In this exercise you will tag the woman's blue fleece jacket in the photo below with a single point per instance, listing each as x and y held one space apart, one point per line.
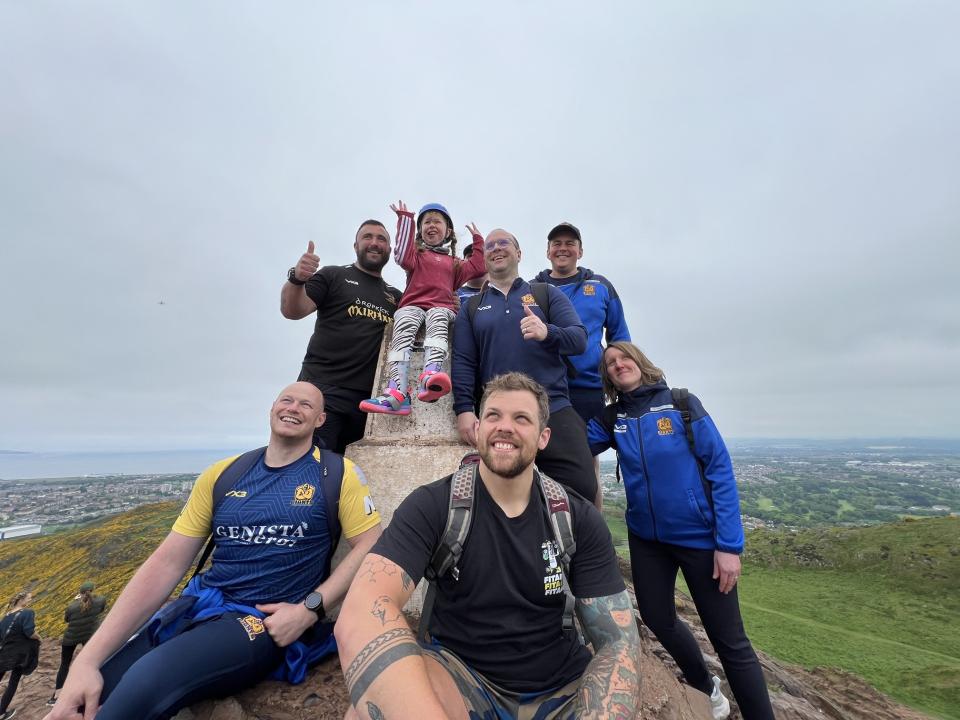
665 495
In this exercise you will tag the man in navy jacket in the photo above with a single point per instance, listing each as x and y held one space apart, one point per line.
599 307
508 332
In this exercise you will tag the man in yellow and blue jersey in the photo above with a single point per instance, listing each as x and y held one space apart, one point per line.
259 608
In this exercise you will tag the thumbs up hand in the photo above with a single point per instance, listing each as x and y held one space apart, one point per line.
308 264
532 327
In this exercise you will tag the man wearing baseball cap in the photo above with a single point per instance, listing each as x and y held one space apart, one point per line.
598 305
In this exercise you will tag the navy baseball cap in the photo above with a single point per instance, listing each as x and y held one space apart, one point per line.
565 228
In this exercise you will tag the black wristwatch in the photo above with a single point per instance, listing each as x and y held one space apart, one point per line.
314 602
292 277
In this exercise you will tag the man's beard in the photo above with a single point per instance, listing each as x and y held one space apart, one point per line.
371 265
502 466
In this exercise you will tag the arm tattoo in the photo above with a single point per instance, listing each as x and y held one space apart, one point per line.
375 657
610 686
607 619
374 569
374 712
385 610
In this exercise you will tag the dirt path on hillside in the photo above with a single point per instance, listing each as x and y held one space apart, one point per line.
852 633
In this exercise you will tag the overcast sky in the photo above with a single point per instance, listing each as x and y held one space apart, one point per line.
772 188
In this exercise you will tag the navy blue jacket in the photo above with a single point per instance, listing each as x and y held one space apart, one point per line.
490 344
665 495
599 307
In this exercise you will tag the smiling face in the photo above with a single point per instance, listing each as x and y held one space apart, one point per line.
563 252
372 247
509 433
501 254
297 412
434 228
623 372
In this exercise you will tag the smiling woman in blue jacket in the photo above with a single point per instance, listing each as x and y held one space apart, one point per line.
683 512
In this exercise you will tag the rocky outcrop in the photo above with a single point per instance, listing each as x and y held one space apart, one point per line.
401 453
797 694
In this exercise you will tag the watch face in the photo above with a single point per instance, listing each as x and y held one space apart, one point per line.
314 601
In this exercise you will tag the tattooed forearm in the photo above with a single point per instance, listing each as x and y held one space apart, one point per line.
377 655
610 686
606 619
406 580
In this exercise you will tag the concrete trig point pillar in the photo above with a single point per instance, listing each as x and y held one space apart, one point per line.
400 453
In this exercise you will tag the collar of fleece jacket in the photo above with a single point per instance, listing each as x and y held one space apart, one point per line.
642 398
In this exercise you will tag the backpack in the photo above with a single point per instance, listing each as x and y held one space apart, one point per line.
459 515
541 296
681 401
6 633
331 477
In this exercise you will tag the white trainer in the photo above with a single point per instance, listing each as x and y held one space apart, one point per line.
719 705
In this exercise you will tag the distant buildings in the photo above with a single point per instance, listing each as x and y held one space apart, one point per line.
16 531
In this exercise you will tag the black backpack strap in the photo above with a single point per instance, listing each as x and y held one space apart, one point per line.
681 401
558 510
331 481
6 633
473 302
224 484
447 554
541 296
609 418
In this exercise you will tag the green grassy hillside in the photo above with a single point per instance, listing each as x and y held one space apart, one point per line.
881 601
106 552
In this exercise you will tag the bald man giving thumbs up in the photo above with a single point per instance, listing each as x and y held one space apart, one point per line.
353 305
510 326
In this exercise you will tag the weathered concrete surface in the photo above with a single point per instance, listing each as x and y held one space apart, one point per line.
400 453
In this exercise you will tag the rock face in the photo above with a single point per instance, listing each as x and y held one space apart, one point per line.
797 694
401 453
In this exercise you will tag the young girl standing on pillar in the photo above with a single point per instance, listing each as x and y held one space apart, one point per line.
433 275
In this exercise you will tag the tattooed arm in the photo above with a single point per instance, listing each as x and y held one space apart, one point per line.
385 673
610 686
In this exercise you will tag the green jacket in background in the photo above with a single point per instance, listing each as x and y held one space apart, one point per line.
81 625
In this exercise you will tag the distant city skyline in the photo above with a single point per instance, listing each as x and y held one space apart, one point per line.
770 187
38 465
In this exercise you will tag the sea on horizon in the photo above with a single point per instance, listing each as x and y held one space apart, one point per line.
35 465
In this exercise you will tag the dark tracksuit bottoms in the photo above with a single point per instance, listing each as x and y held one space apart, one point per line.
567 458
15 675
654 568
213 658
